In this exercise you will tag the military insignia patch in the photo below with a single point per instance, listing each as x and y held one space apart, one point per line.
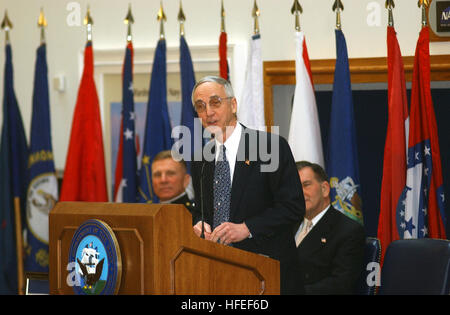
96 254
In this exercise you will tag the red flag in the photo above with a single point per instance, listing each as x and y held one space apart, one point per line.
223 62
425 197
119 165
84 174
394 165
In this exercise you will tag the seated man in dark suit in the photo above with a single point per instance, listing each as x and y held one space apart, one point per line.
330 245
170 180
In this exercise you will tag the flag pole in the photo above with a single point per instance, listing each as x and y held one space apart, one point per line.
338 7
222 18
7 26
255 14
42 23
161 18
424 4
19 246
88 22
181 19
297 10
129 20
390 5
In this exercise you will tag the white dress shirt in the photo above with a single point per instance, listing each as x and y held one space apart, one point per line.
231 146
314 220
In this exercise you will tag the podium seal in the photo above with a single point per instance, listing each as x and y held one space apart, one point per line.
95 251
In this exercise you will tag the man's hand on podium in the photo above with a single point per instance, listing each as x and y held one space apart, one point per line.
198 230
228 233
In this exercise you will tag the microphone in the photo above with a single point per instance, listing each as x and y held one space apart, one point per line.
202 234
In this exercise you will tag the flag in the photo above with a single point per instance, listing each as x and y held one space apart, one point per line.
304 131
13 167
223 62
42 191
423 196
188 114
250 111
342 158
394 164
157 135
125 184
84 175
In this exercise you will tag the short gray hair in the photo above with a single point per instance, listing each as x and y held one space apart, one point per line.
211 78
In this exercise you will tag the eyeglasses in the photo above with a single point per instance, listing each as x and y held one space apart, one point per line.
214 103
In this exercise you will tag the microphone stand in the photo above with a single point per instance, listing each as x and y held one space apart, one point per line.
202 234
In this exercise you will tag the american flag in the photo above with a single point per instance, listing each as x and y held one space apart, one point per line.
125 189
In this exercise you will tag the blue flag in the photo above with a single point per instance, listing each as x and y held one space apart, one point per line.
13 167
42 183
188 114
157 135
126 167
342 159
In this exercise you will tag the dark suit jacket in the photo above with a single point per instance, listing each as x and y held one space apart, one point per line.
331 255
270 203
185 201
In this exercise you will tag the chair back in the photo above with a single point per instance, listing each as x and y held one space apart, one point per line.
372 254
416 266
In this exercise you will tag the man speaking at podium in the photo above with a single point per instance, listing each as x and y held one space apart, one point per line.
247 191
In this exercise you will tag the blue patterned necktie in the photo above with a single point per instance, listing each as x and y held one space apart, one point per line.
222 189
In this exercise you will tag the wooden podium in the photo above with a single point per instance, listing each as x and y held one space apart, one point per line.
160 252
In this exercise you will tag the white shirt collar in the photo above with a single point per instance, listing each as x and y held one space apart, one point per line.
232 146
320 215
174 198
232 142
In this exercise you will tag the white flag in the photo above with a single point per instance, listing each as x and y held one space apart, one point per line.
250 111
304 130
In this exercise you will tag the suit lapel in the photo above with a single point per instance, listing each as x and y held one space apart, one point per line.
318 236
241 174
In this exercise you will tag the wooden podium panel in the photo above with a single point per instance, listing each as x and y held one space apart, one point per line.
160 252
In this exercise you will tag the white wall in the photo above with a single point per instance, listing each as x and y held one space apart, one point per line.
65 42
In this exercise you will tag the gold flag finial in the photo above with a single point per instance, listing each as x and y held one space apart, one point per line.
129 20
222 13
338 7
6 26
181 19
255 14
390 5
297 10
42 23
161 18
424 4
88 21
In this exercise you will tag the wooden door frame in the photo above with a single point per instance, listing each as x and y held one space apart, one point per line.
362 70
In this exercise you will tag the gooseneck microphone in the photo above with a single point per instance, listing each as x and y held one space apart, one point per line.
202 234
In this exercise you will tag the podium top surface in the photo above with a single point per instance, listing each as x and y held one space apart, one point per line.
108 208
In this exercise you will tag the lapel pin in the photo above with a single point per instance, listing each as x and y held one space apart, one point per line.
323 240
247 162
